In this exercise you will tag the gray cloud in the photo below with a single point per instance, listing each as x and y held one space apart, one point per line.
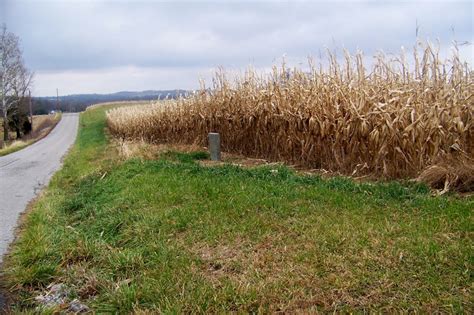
77 37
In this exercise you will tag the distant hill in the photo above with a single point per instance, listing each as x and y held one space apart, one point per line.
79 102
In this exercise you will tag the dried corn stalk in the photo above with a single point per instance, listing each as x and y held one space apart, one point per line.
390 121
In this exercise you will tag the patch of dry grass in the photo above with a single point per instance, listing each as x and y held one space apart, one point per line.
119 104
453 173
42 125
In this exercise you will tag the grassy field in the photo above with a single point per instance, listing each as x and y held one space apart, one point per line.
169 235
42 125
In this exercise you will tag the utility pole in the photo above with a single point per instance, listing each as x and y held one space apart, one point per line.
57 100
31 109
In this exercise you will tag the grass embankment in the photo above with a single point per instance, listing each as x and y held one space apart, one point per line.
42 126
170 235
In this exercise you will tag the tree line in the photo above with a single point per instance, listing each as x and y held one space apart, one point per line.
17 106
79 102
15 82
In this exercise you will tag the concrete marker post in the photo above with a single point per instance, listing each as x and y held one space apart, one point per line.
215 146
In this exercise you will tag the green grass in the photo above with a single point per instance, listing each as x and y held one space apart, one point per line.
172 236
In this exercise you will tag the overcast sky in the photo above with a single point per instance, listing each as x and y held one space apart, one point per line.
108 46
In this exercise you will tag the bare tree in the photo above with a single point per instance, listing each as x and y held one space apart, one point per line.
15 79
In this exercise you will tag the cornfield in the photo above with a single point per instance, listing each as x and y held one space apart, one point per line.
394 121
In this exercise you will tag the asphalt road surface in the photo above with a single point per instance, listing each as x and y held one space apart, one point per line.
24 173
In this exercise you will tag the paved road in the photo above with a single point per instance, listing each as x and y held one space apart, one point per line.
25 172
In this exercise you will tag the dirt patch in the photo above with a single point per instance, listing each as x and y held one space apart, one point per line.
224 261
4 299
267 267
